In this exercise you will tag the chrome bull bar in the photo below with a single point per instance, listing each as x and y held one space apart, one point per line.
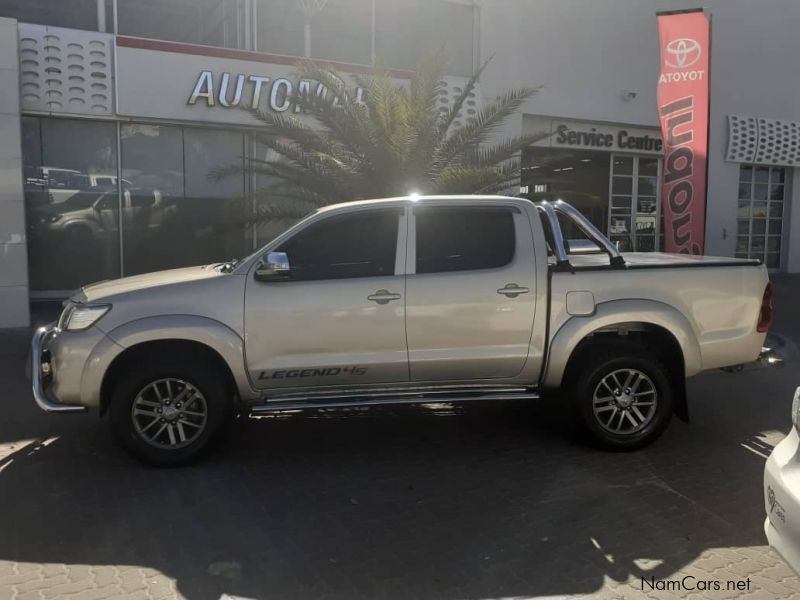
38 344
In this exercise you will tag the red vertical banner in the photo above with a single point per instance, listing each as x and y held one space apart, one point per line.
683 110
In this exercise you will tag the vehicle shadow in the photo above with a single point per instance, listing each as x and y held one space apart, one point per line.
473 502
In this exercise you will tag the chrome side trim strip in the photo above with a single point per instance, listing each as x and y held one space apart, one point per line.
396 393
37 345
355 401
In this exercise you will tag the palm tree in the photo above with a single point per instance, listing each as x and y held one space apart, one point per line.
392 142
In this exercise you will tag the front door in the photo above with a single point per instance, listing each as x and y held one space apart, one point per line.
470 292
339 318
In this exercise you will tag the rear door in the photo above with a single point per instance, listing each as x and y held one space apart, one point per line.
470 292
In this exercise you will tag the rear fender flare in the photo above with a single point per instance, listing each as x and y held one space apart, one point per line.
616 312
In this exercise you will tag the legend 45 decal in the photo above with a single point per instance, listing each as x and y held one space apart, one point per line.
312 372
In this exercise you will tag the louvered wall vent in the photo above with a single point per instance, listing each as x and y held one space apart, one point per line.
763 141
65 70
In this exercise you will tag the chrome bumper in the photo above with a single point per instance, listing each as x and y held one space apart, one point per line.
768 358
38 368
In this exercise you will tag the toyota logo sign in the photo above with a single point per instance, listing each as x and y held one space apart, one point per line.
681 53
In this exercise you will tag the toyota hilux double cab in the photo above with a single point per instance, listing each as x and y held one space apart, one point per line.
407 300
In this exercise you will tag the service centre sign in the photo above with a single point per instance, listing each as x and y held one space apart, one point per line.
587 135
621 139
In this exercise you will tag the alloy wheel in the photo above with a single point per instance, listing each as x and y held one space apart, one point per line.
169 413
625 401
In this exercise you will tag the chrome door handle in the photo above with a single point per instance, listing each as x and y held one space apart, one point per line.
383 297
512 290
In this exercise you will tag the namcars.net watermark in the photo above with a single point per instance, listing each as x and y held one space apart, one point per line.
691 583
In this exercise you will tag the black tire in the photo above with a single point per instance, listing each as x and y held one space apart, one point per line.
611 426
203 383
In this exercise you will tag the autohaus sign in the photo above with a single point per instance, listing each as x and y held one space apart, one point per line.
184 83
278 94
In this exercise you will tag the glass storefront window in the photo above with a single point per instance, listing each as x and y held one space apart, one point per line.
579 177
407 31
71 202
619 193
280 27
635 215
207 22
220 231
759 223
175 212
341 31
76 14
172 209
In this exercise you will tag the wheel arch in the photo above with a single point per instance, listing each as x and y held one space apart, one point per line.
199 335
659 327
135 353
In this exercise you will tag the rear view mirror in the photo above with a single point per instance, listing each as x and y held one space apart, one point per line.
274 266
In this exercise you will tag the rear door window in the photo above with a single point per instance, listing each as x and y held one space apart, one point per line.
464 238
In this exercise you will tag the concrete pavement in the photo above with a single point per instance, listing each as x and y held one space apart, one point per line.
430 502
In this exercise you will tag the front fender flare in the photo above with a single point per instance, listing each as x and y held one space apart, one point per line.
616 312
212 333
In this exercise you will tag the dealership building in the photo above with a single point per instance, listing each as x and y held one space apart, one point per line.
115 115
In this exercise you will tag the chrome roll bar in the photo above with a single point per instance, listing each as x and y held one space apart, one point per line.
560 249
551 211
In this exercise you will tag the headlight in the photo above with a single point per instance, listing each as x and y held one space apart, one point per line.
796 409
77 317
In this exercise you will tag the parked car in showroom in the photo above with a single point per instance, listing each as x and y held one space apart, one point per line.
782 493
94 215
398 301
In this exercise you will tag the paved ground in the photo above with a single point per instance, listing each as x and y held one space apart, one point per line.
484 502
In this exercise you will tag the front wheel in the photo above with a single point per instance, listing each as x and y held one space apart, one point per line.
166 410
622 396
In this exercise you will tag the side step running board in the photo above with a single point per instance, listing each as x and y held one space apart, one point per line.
388 398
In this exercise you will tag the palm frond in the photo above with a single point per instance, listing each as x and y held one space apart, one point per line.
487 121
391 140
458 103
506 149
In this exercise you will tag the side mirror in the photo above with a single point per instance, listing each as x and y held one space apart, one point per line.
274 266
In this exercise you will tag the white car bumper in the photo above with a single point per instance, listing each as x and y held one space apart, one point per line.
782 499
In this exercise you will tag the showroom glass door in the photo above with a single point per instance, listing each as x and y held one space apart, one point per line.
634 214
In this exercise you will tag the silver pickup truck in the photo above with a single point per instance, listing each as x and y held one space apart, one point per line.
402 301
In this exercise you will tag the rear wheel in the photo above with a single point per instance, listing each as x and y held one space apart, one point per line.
622 396
166 410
